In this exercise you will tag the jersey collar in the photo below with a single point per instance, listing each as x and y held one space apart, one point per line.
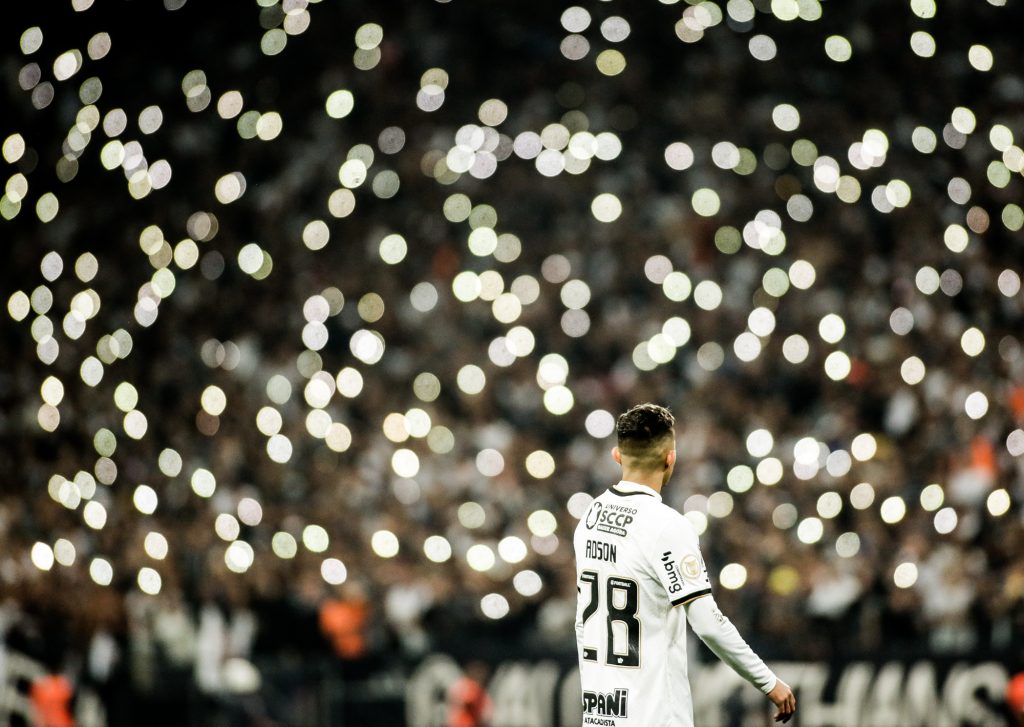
625 488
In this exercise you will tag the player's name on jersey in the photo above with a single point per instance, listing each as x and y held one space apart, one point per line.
611 519
601 551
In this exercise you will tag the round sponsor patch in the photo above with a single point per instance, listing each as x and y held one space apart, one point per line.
691 566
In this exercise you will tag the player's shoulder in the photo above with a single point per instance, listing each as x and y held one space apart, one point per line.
657 516
664 521
673 518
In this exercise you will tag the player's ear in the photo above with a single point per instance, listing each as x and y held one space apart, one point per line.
617 455
670 458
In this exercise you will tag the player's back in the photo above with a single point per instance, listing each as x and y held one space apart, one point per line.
631 551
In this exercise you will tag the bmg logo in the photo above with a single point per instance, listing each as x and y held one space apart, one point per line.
674 581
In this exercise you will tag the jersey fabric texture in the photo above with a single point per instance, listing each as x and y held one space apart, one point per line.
636 560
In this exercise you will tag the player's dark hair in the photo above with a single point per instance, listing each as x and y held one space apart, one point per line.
644 432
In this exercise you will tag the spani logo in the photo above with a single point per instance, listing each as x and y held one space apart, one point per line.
593 515
606 705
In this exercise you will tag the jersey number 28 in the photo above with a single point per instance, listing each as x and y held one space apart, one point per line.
622 602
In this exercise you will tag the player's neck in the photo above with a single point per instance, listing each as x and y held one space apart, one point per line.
654 480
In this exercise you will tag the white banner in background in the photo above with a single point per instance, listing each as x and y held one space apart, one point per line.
893 694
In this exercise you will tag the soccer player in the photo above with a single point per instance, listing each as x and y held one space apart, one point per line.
641 578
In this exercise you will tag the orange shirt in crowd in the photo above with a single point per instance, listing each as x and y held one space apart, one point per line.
469 704
983 455
1015 697
1016 401
51 701
344 624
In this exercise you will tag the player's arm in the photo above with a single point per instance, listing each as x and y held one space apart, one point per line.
680 566
722 637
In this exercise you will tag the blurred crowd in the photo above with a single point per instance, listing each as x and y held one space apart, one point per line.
208 625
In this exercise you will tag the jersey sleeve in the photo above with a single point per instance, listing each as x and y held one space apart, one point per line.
718 632
678 562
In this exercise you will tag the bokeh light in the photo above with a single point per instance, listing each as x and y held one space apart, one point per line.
390 352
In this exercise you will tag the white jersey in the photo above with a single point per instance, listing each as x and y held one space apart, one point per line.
636 559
